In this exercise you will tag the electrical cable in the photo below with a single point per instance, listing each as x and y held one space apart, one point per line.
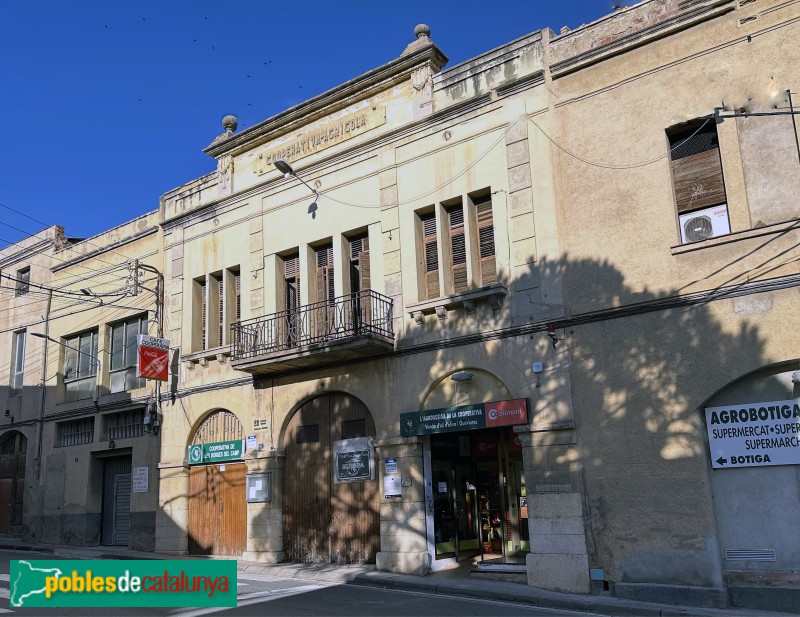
606 166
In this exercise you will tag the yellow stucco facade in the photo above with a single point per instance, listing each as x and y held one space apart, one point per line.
598 226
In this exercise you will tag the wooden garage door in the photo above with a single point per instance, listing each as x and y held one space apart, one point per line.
325 522
217 509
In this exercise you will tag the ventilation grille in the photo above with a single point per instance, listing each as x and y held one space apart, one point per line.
762 554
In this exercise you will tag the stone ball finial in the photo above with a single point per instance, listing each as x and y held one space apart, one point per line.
229 123
422 30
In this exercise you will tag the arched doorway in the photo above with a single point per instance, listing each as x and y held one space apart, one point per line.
325 521
217 504
12 479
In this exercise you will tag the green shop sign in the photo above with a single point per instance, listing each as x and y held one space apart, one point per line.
217 452
465 417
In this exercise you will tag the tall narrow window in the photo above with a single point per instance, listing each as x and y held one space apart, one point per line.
80 366
237 290
698 182
17 363
325 314
458 249
23 281
124 340
290 328
359 264
486 253
430 256
202 299
360 281
221 312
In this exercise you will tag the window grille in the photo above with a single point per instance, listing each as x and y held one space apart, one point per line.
76 432
125 424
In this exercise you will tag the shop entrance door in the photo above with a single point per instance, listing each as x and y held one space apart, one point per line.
479 497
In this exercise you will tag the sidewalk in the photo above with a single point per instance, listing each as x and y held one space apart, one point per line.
437 583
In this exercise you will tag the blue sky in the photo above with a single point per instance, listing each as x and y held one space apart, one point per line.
108 104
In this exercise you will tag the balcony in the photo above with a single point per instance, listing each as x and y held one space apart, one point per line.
350 327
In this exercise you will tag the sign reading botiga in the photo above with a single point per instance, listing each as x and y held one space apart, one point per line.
754 434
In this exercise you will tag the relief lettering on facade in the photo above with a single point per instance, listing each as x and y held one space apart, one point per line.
319 139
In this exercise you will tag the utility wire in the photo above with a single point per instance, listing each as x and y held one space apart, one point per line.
48 226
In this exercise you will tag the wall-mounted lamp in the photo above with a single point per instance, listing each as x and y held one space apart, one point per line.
111 444
287 171
151 422
551 332
461 376
9 417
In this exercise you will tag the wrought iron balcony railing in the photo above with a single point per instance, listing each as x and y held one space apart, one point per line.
364 313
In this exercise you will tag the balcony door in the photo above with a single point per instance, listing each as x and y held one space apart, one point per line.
360 305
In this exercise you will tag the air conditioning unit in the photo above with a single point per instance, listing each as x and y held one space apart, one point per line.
704 224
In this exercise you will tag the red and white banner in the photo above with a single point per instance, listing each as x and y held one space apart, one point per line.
152 359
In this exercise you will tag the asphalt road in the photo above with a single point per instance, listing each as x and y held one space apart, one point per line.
268 595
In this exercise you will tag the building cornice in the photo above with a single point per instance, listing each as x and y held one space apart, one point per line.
24 254
105 248
445 115
696 14
372 82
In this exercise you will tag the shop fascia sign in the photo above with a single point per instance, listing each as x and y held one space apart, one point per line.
754 434
217 452
465 417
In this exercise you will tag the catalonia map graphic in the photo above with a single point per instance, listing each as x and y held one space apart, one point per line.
29 581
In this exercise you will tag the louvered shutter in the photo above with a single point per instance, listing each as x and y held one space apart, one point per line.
325 290
361 305
696 168
203 298
291 300
221 307
458 249
488 265
431 263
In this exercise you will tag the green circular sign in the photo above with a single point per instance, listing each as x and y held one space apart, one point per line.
195 454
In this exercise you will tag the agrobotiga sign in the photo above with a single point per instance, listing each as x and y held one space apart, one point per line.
217 452
754 434
465 417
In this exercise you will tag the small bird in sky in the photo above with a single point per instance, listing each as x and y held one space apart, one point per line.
248 76
268 62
